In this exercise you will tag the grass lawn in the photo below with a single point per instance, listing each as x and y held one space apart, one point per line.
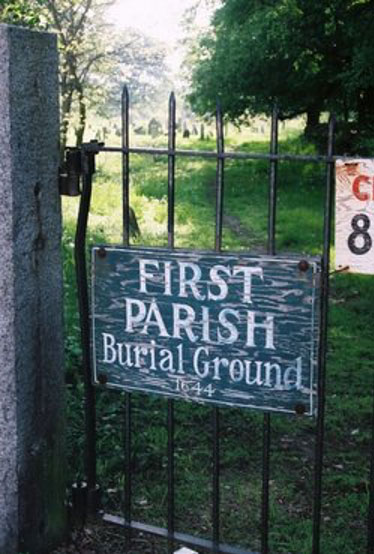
349 372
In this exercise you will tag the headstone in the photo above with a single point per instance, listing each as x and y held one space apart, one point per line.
139 130
32 472
154 128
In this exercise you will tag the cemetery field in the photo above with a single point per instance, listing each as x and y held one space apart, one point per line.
349 370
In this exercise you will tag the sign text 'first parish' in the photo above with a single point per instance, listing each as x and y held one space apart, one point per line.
226 329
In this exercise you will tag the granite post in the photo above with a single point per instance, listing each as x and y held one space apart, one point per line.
32 487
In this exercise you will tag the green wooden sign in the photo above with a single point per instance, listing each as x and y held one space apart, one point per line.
226 329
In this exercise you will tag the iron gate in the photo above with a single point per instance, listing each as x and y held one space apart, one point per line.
81 162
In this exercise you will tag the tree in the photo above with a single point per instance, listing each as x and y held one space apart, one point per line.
96 60
306 56
83 47
140 62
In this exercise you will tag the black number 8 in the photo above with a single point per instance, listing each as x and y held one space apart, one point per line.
360 225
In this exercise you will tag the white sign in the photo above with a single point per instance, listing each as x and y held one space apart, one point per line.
354 230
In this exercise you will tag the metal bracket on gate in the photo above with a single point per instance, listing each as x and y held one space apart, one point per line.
78 161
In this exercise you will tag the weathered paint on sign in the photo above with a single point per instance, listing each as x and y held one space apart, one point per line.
227 329
354 215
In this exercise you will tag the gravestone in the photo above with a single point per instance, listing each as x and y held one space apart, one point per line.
139 130
32 483
154 128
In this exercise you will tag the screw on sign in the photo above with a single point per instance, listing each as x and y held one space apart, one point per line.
354 215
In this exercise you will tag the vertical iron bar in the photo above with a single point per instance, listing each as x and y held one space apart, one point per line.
266 433
218 246
171 170
125 167
219 178
83 303
320 428
216 478
170 418
128 469
370 539
171 503
273 182
126 240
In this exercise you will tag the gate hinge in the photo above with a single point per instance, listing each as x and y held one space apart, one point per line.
78 161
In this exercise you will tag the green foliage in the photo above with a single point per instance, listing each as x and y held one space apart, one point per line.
307 56
25 13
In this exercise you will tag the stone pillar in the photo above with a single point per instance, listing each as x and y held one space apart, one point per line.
32 487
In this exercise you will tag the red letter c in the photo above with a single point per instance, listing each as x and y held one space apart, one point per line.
356 187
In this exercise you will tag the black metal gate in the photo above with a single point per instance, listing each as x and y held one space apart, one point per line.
82 162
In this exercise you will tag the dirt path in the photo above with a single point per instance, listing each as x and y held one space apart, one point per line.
247 237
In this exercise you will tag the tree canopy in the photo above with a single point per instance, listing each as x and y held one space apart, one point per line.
21 12
139 61
308 56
